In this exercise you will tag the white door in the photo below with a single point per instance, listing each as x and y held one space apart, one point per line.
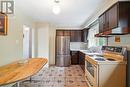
26 34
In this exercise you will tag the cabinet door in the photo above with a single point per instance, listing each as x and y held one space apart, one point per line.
82 60
84 35
76 36
113 16
107 21
72 37
102 23
59 33
74 58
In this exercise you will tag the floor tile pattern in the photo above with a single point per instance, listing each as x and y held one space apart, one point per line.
57 77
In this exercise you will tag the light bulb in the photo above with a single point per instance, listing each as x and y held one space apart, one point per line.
56 9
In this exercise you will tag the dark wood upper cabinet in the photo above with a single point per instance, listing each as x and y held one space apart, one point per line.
76 36
85 35
79 36
109 19
72 36
112 17
124 15
102 23
115 20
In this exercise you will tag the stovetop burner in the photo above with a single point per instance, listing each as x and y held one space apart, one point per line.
111 59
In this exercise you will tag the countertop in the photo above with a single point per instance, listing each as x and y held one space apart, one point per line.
77 50
20 70
92 56
86 52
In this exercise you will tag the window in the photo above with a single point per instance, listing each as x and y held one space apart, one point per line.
102 41
95 41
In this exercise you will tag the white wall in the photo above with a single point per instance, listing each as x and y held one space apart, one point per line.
43 39
26 44
11 46
52 36
45 43
34 43
76 46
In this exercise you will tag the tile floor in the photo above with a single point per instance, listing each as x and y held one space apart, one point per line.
57 77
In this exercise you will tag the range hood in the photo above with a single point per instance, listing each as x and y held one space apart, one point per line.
115 31
118 31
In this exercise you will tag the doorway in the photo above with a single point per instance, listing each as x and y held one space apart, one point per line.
27 42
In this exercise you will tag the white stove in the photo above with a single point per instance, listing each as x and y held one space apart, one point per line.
101 66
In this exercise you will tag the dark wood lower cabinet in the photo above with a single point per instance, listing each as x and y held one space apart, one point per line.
74 57
78 58
82 60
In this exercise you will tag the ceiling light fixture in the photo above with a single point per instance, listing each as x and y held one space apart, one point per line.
56 8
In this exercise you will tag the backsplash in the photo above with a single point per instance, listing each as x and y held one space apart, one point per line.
78 46
124 41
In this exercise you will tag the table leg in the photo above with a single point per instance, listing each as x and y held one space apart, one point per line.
30 79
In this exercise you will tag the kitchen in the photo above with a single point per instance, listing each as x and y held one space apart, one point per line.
94 55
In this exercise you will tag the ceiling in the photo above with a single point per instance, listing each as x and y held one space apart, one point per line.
73 12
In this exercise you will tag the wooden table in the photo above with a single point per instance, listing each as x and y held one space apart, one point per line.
20 70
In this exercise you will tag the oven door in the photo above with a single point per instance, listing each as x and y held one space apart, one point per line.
91 73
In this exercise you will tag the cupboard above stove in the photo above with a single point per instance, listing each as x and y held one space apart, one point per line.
115 20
